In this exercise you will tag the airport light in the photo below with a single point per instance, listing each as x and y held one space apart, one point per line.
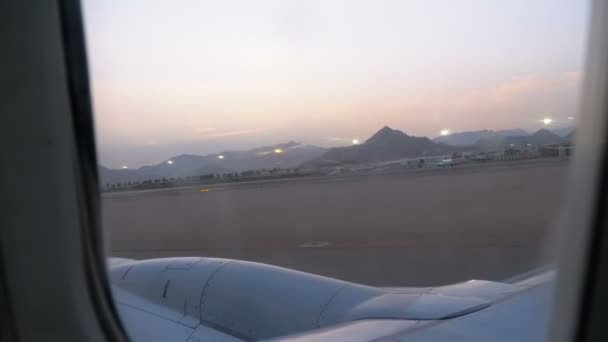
169 162
547 121
221 156
278 151
124 167
355 141
444 132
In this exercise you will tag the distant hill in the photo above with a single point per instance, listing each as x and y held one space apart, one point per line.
541 137
563 131
472 137
570 136
112 176
386 144
290 155
184 165
544 137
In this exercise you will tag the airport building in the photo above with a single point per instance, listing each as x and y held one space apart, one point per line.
423 161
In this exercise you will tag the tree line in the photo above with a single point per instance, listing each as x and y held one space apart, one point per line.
204 178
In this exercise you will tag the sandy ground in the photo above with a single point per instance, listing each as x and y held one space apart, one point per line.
429 228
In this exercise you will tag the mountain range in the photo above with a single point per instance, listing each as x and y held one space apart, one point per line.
539 138
472 137
288 155
386 144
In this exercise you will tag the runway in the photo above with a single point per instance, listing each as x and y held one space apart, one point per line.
409 229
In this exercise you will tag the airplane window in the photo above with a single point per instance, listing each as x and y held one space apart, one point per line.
333 168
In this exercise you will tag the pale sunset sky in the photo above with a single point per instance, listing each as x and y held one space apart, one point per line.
173 77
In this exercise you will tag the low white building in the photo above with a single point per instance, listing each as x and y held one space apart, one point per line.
423 161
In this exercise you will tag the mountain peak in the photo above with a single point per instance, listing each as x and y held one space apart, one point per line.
386 133
386 144
388 130
544 132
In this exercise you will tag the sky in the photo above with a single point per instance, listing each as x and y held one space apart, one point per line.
202 76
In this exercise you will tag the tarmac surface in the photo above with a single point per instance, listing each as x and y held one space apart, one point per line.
402 229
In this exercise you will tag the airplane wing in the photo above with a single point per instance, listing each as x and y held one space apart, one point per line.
209 299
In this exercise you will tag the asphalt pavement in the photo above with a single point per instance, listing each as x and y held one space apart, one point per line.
403 229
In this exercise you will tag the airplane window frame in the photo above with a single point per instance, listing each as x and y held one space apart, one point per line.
579 302
53 278
7 324
72 31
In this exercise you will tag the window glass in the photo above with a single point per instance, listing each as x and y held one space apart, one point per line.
387 143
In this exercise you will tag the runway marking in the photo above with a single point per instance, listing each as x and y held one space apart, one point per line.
314 244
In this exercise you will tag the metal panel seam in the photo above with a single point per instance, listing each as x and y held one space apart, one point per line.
204 291
318 322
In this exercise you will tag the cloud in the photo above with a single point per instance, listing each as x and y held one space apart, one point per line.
339 139
517 90
203 130
151 143
573 76
518 86
239 132
533 84
518 101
